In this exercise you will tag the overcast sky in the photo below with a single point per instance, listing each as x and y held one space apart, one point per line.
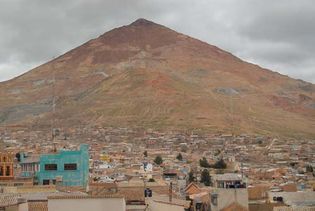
276 34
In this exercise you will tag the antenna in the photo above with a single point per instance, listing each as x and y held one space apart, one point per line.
54 97
170 192
231 113
53 131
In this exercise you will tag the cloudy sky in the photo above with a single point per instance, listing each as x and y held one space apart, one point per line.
279 35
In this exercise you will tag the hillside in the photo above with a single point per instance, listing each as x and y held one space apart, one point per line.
147 75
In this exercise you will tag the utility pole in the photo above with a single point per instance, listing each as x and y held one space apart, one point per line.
144 186
170 192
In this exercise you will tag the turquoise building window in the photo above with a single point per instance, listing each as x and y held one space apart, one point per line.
70 166
50 167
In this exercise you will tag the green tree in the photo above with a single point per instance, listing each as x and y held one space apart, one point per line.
220 164
218 152
151 180
191 177
204 163
158 160
309 168
179 157
145 153
205 177
184 148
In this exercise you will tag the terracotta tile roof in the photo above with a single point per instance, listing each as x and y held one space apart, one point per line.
182 203
132 193
44 195
288 187
103 185
38 206
192 188
98 189
258 192
85 197
8 199
203 196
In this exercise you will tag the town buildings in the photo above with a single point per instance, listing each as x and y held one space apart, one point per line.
119 162
6 166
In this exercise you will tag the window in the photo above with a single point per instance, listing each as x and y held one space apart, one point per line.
8 172
70 166
50 167
46 182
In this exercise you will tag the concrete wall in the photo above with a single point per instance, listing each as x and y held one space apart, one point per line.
33 189
77 177
227 197
92 204
19 207
23 207
10 208
160 206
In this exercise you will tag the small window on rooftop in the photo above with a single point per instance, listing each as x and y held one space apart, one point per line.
70 166
50 167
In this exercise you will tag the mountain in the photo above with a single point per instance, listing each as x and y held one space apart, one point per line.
149 76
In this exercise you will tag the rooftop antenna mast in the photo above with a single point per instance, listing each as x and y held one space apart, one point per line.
53 130
232 114
54 97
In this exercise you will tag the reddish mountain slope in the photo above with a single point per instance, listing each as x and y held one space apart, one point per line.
147 75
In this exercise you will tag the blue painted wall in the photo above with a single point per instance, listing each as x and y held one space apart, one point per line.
77 177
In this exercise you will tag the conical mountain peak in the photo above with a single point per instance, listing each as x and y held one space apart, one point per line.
142 22
147 75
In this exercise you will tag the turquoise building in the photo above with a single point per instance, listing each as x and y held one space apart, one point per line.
66 168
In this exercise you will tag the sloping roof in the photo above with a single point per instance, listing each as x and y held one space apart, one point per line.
165 200
192 188
8 199
227 177
85 197
132 193
44 195
103 185
38 206
234 207
203 196
288 187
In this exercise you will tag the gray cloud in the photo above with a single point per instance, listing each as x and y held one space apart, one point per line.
275 34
